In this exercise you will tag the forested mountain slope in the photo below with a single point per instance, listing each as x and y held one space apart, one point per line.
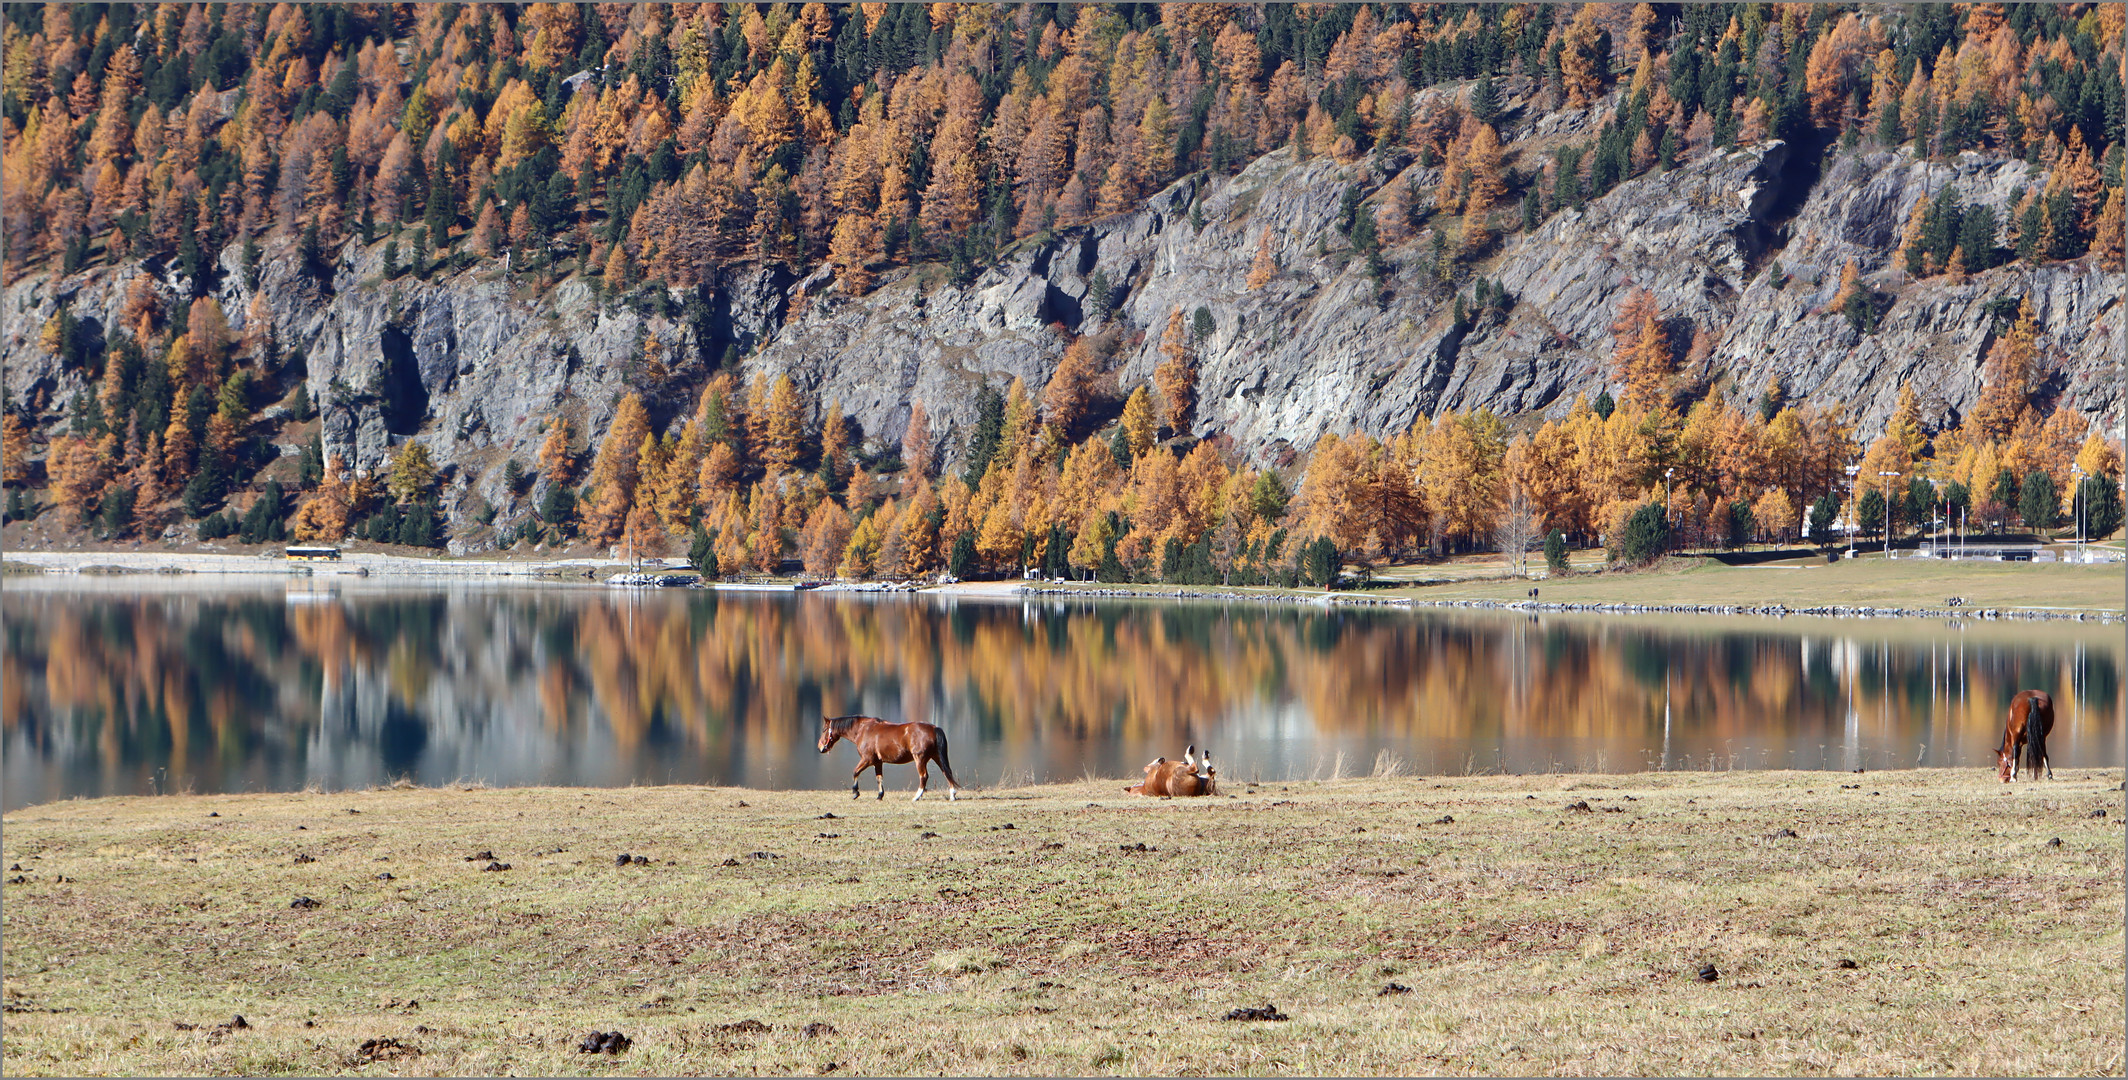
501 274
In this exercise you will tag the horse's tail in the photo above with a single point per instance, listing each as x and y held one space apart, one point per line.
945 762
2037 723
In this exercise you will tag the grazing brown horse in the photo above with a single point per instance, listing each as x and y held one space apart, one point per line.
2031 718
1187 778
881 743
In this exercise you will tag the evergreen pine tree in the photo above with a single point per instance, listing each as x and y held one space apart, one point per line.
983 441
1484 100
308 254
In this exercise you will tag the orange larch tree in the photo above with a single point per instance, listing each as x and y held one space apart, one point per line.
1175 376
1641 358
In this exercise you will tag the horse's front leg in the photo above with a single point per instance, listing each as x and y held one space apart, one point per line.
879 773
858 776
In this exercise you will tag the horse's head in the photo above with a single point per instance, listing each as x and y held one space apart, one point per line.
829 732
2005 764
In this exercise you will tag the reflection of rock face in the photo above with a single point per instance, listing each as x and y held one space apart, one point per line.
459 709
400 740
472 363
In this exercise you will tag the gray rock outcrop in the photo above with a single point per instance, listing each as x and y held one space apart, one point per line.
474 362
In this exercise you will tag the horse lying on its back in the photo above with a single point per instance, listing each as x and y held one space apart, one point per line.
1186 778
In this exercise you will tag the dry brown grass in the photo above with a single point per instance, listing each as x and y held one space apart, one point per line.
1534 938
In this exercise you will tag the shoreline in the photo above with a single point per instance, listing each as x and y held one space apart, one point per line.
1107 792
350 564
1775 611
1409 597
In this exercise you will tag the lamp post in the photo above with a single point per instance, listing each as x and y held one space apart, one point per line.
2076 495
1666 504
1887 513
1854 510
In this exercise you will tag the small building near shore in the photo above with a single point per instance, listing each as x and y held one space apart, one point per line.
1989 551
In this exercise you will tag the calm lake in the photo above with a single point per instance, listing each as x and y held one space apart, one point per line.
112 687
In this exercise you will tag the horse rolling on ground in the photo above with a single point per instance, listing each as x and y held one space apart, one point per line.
881 743
2031 718
1189 777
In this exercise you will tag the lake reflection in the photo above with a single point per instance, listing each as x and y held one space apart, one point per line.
115 688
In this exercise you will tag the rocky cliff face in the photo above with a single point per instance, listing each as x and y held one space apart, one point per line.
472 362
1321 348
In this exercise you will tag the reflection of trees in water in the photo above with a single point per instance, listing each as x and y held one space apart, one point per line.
572 685
98 685
2101 678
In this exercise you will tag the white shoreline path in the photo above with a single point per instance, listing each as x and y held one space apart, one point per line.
374 564
473 570
377 565
351 564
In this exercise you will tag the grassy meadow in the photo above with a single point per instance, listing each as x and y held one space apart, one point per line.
1867 582
1493 924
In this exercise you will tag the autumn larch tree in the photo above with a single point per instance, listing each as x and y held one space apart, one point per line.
1641 358
1138 422
916 446
412 472
1265 266
642 535
784 430
826 535
1775 513
854 245
1070 389
2108 239
1581 70
2006 377
14 450
1835 62
326 513
1486 185
614 474
764 528
554 458
77 473
834 445
1176 376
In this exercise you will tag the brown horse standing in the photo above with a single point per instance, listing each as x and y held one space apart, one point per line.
2031 718
880 743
